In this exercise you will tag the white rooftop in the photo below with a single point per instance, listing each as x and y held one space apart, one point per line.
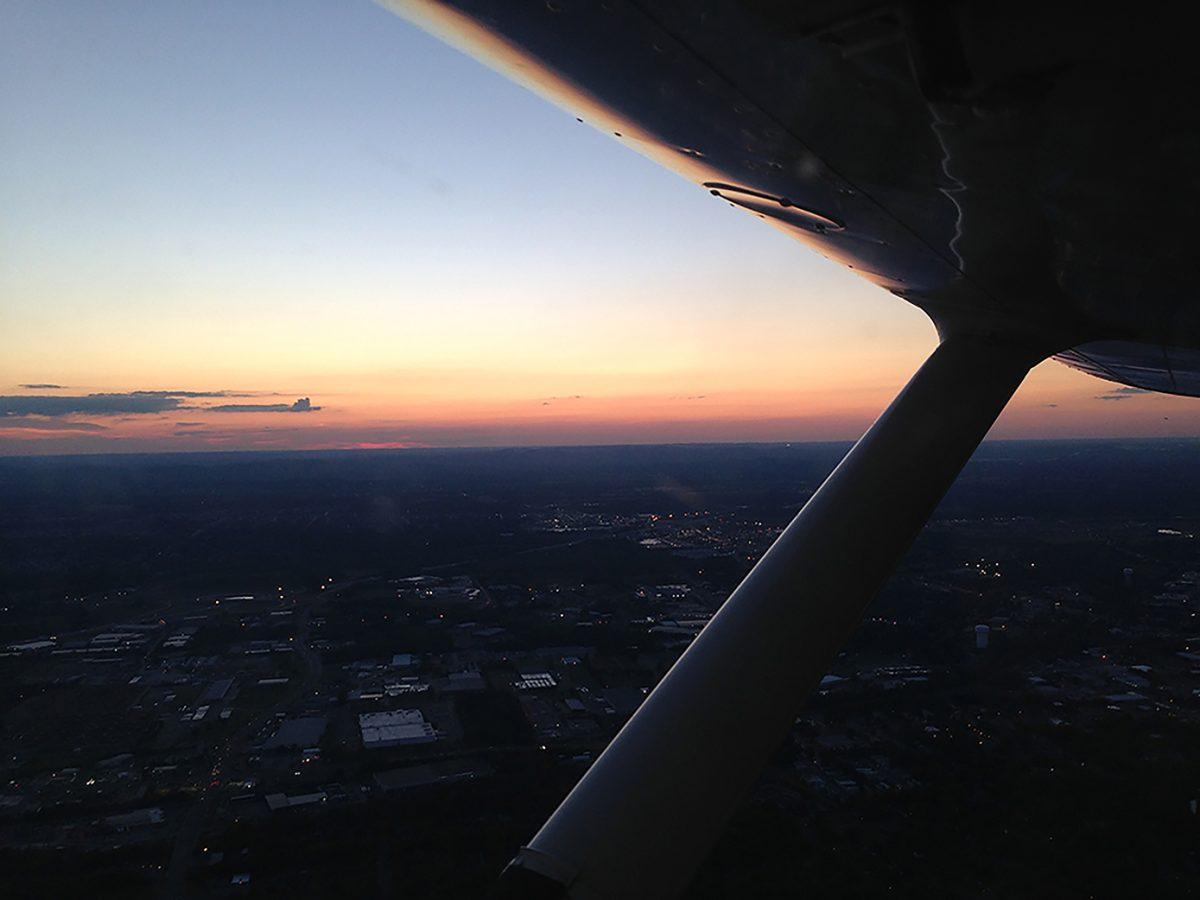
394 727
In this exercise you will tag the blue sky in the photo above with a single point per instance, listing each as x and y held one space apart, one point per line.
318 199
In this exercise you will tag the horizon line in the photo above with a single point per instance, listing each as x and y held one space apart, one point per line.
249 451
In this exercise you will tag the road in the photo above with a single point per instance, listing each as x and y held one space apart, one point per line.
198 817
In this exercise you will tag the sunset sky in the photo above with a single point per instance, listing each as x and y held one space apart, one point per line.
213 210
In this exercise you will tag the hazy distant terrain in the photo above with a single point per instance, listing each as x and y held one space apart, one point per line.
83 522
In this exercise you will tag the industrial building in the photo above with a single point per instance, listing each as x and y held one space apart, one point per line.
395 728
297 734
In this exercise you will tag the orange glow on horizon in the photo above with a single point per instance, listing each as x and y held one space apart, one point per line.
1055 402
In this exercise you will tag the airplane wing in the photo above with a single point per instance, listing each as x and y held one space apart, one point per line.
1022 172
1004 166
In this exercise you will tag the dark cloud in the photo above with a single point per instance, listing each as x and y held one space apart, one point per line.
189 424
39 423
302 405
90 404
42 387
194 394
138 403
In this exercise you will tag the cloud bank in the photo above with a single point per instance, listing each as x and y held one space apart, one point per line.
88 404
138 403
34 423
302 405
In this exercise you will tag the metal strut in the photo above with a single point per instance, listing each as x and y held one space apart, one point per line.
644 816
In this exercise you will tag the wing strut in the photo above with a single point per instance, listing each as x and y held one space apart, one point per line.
644 816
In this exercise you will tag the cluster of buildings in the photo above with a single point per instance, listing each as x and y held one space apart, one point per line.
278 706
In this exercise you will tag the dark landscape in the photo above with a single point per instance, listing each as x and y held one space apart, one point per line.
375 674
